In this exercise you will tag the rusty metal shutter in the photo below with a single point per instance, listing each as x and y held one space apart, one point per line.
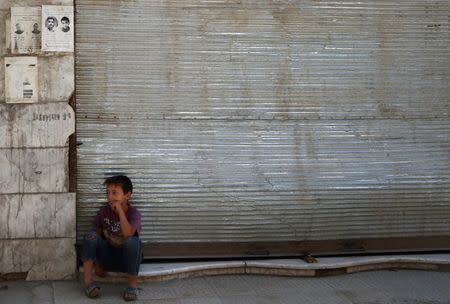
278 122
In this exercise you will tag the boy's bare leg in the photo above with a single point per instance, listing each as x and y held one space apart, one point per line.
87 267
91 290
132 281
99 271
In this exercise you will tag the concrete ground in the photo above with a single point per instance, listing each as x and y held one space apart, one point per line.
370 287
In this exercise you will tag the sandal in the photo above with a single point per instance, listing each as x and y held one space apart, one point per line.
130 293
92 291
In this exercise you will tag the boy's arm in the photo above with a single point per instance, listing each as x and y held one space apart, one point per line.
97 224
127 229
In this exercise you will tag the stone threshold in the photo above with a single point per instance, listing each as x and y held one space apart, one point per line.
324 266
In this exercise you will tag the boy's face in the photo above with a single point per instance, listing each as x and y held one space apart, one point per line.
115 195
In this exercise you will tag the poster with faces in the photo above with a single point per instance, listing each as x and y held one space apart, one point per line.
57 28
21 79
25 29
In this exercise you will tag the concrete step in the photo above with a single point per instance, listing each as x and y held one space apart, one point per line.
324 266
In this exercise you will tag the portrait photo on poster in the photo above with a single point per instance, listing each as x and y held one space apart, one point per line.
51 23
57 28
65 24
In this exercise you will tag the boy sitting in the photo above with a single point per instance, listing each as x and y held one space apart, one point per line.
115 243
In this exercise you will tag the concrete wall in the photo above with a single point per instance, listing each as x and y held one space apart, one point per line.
37 222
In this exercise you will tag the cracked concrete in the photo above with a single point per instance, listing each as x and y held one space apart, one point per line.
388 286
33 170
37 225
41 259
37 215
36 125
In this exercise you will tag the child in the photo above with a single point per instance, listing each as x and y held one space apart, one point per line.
115 245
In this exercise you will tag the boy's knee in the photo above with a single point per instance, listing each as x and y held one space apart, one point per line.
132 242
90 236
90 246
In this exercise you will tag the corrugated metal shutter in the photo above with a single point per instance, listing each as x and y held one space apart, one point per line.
247 121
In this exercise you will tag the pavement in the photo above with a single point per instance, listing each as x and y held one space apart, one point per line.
354 286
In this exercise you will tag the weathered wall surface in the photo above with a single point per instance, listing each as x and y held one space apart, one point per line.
37 224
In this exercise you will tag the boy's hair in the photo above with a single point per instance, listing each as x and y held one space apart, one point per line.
120 180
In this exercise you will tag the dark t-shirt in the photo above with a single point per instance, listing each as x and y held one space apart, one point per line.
109 223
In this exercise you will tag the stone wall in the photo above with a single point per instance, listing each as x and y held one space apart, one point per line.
37 221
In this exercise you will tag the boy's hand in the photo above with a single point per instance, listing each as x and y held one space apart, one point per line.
116 207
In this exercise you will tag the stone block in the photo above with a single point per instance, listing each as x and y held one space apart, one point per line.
56 71
49 215
8 3
7 45
36 125
33 170
56 78
2 80
40 259
3 17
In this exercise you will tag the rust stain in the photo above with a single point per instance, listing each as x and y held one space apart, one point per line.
282 15
283 89
387 110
